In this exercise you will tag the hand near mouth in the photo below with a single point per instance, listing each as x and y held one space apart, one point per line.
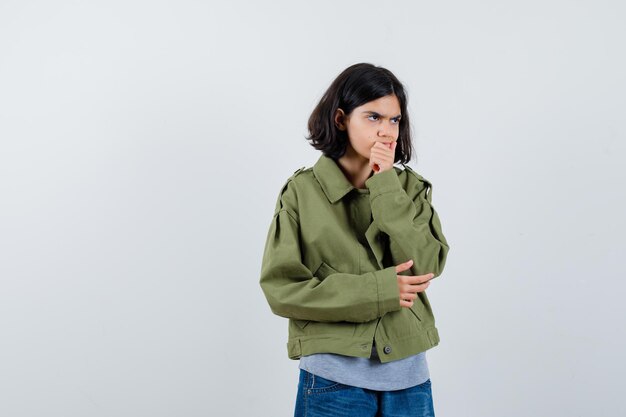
382 156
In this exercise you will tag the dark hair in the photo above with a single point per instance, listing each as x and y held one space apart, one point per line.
355 86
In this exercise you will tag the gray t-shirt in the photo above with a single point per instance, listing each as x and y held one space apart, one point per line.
368 372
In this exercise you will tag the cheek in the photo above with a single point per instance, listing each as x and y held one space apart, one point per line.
362 139
361 145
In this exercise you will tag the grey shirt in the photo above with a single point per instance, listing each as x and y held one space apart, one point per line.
368 372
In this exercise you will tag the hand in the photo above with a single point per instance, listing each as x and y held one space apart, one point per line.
410 285
382 156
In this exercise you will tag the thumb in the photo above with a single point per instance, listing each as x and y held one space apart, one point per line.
404 266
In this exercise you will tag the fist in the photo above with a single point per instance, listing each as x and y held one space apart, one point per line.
382 156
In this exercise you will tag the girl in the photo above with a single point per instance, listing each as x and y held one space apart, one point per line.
352 247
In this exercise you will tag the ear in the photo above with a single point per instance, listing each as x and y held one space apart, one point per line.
339 119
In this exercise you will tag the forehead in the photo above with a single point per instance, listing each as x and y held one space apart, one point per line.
387 105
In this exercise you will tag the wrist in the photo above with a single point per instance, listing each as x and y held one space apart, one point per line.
383 182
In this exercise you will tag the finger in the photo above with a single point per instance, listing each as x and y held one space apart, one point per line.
385 155
404 265
420 288
379 161
383 146
420 279
415 288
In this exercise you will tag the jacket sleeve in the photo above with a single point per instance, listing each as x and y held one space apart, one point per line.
292 290
409 219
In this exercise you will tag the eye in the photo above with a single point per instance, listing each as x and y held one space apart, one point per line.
397 119
373 115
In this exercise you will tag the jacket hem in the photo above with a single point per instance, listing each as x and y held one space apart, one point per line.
362 347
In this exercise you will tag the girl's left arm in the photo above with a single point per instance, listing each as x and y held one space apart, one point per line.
410 220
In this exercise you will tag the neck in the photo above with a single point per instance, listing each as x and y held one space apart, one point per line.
355 167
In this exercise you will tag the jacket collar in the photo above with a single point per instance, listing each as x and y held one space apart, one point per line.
331 178
335 185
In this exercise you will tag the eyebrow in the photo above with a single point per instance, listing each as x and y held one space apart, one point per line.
378 114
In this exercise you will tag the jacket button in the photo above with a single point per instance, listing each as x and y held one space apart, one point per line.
387 349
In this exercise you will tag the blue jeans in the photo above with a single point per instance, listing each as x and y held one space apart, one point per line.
320 397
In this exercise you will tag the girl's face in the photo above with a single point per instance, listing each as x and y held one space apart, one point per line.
374 121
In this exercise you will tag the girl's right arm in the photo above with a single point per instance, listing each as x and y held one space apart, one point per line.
293 291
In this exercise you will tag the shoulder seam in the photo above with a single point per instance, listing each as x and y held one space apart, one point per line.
279 204
295 174
415 173
289 213
427 183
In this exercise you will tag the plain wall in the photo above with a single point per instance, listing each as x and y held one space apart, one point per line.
143 145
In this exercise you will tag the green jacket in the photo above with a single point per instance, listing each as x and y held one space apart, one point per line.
330 256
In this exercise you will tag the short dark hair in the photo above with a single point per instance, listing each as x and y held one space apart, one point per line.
356 85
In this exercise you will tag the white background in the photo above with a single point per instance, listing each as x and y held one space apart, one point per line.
143 145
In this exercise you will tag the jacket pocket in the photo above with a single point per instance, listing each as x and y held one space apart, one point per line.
413 309
321 272
324 270
301 323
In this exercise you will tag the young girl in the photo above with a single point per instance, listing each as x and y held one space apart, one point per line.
352 247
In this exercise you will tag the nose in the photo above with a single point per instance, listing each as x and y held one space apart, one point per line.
386 131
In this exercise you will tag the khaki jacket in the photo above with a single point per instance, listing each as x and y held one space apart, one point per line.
330 256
